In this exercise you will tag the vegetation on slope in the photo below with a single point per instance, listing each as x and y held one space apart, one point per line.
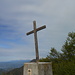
17 71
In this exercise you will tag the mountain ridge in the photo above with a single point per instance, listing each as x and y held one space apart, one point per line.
8 65
17 71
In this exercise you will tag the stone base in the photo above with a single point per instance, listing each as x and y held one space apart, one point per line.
40 68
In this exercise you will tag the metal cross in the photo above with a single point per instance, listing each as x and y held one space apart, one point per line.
35 38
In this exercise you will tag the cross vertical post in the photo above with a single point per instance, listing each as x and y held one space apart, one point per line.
36 41
35 38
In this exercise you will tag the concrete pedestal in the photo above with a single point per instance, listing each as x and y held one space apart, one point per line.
40 68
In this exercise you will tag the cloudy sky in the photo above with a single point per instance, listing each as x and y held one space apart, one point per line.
16 19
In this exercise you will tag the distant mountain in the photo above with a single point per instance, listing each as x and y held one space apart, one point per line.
12 64
17 71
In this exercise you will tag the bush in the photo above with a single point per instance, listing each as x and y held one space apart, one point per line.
64 68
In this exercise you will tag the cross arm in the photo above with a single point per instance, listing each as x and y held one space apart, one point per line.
40 28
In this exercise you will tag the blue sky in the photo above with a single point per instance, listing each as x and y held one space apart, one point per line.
16 19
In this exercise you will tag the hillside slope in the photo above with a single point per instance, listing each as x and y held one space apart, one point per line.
17 71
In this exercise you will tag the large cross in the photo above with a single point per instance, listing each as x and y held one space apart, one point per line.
35 38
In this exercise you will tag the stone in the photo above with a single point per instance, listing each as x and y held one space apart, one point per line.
40 68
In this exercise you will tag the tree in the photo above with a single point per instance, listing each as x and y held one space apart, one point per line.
53 54
68 48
